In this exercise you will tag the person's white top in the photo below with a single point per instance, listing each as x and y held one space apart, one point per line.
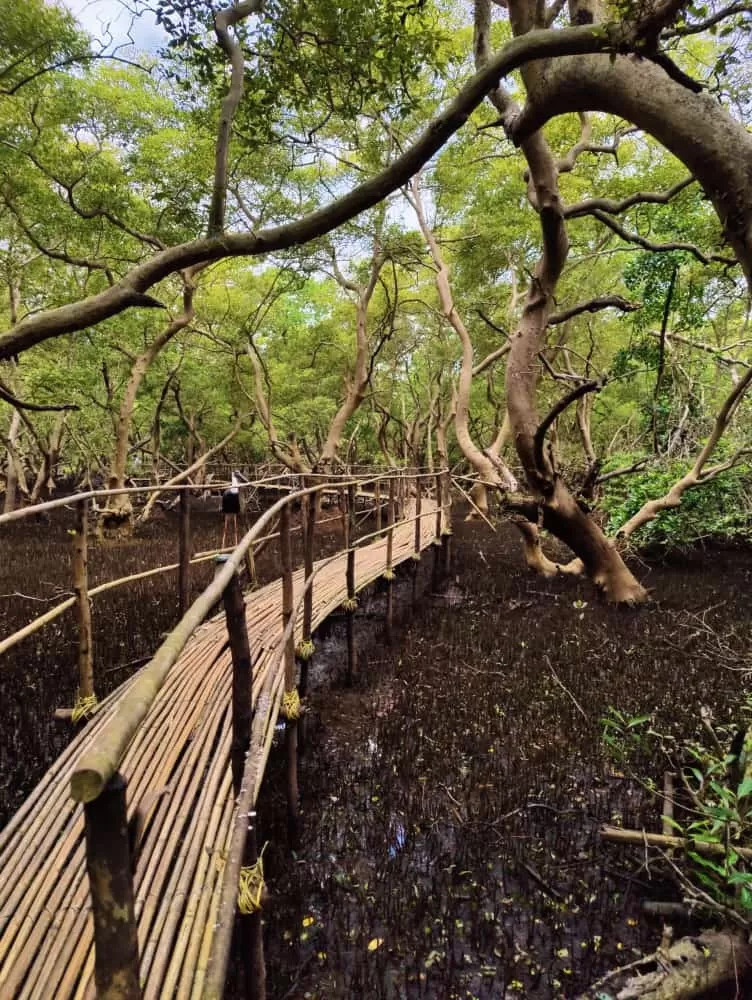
235 483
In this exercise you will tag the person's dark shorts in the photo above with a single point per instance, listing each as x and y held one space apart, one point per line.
230 503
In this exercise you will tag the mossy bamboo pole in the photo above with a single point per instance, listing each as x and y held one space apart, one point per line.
184 558
109 865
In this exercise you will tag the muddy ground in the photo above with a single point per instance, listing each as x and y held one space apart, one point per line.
452 797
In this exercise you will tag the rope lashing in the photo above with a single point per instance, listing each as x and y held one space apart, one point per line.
84 707
305 650
291 705
251 886
388 575
350 604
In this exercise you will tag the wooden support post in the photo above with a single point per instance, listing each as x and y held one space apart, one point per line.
308 515
352 652
250 563
242 712
251 929
242 676
389 557
416 542
116 963
377 501
438 555
83 609
291 728
446 534
184 554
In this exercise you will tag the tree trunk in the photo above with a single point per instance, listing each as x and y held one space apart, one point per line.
12 465
120 508
560 512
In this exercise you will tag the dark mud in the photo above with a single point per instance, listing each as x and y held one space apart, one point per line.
452 799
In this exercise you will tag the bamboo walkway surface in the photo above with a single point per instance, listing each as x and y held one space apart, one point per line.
182 750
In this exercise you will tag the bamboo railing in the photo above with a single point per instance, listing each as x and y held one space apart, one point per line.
263 685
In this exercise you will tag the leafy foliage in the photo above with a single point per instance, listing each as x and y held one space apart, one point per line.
720 509
713 803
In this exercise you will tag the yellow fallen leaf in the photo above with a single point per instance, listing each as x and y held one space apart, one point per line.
307 921
375 943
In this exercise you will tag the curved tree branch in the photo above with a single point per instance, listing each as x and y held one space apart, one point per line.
8 397
556 411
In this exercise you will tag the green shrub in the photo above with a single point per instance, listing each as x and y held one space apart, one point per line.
721 509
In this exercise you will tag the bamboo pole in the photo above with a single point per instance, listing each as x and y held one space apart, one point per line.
438 552
291 727
620 836
377 501
83 608
108 862
351 603
184 555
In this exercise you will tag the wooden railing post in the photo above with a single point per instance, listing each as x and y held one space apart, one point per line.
352 601
242 713
83 609
418 504
305 650
389 572
184 555
108 860
291 702
377 501
242 675
437 539
446 533
416 540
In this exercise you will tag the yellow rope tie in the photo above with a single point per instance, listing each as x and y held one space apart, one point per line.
83 707
305 650
251 886
389 574
350 604
291 704
415 557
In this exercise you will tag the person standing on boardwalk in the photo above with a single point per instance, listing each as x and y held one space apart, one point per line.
231 508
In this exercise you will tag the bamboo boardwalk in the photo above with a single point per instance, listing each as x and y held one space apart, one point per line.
178 769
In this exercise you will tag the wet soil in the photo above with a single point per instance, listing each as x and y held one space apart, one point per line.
452 798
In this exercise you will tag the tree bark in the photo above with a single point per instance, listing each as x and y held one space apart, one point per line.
560 512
